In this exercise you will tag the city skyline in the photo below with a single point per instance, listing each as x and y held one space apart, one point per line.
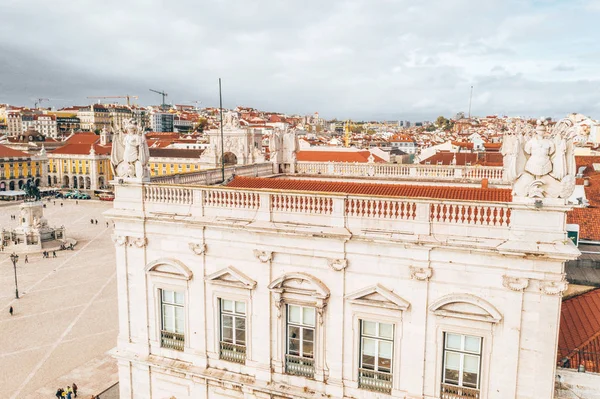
344 60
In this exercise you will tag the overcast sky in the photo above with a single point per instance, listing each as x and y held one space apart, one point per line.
363 59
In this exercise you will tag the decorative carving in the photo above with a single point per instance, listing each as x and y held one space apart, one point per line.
119 240
515 283
420 273
263 256
139 242
196 248
541 163
337 264
553 287
320 311
129 156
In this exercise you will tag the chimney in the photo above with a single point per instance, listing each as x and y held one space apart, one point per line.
484 183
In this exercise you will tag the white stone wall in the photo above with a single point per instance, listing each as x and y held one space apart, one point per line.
423 284
573 385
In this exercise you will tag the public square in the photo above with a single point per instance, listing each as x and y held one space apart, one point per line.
66 317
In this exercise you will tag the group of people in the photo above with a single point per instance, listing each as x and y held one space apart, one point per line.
65 247
46 254
13 217
69 393
94 221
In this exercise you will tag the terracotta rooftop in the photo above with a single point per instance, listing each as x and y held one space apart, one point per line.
336 156
83 138
389 190
81 149
7 152
580 328
588 218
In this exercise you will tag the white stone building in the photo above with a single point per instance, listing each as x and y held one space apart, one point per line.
256 291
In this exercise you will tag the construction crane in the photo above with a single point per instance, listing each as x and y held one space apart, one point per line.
163 94
39 101
127 96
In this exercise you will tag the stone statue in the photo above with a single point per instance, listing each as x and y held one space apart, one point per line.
231 120
540 162
130 154
275 146
32 193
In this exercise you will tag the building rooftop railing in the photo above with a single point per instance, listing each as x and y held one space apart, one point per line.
357 213
447 173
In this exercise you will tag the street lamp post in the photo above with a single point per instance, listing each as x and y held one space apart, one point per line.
15 258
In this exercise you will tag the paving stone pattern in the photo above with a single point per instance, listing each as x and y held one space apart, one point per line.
66 318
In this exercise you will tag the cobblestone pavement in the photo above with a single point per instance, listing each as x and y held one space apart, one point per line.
66 316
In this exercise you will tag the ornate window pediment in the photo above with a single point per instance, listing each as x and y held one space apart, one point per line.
169 268
378 296
300 283
466 306
232 277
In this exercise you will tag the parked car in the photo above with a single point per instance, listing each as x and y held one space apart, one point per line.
106 197
58 195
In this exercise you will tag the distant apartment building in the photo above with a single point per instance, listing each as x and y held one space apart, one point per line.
161 122
405 144
27 121
46 125
67 124
13 122
94 117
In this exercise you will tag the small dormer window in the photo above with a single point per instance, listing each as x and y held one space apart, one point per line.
439 163
468 164
427 163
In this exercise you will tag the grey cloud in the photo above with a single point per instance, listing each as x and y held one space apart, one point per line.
359 58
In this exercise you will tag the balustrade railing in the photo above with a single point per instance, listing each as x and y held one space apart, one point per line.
231 199
232 352
450 391
302 203
471 214
214 176
381 208
301 366
494 174
354 212
172 340
582 360
375 380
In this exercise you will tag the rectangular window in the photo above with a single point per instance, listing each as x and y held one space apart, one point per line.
300 328
233 330
462 365
376 349
172 319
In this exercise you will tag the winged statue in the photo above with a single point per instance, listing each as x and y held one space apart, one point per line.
540 161
130 154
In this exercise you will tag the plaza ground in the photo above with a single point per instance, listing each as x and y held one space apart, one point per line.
66 318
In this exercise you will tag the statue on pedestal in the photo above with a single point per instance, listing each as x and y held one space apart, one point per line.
130 153
540 162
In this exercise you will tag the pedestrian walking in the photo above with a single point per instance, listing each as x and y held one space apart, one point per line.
54 202
92 221
54 254
96 221
26 260
59 393
61 204
76 202
10 310
69 392
74 390
106 226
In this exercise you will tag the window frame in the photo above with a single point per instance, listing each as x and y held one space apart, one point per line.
175 306
462 352
377 338
301 326
234 315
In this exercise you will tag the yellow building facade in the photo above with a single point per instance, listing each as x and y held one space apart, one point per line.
16 167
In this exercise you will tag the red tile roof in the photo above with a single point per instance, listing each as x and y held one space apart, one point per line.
82 149
389 190
580 329
7 152
464 144
83 138
588 218
336 156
